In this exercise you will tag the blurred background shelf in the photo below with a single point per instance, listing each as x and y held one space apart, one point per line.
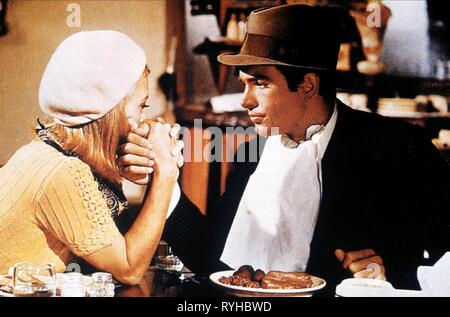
415 55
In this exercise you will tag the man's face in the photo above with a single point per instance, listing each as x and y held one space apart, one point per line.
269 101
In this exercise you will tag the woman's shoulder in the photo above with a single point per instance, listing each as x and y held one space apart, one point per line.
34 156
41 158
68 165
37 149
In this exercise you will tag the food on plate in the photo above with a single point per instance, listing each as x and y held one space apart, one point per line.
245 272
246 276
242 277
258 275
239 280
286 280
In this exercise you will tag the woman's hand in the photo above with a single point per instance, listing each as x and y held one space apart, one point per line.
136 160
165 150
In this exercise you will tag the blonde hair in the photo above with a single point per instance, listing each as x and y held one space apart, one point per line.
96 143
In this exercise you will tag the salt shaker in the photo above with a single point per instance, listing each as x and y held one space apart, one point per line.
166 260
102 285
72 285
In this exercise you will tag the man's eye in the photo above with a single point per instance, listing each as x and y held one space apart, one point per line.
262 84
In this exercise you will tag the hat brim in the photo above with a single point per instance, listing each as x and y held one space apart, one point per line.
231 59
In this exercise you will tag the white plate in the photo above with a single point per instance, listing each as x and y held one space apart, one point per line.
241 291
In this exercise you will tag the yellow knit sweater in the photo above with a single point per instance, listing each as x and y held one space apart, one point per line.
50 209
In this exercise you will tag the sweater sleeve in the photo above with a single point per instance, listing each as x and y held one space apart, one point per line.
73 210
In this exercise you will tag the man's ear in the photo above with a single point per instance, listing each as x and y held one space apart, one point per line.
310 85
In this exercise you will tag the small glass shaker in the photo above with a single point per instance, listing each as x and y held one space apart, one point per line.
166 260
73 285
102 285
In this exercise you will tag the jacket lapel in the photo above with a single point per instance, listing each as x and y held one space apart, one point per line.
331 229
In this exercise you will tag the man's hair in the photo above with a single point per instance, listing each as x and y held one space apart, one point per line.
295 76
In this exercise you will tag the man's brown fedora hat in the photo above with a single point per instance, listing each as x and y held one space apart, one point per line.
290 35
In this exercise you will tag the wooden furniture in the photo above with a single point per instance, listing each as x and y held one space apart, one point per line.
223 10
203 180
389 86
351 48
213 48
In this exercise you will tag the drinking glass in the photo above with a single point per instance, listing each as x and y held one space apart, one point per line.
34 279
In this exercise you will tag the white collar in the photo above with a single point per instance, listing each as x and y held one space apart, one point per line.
319 134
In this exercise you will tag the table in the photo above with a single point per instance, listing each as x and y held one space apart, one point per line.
157 283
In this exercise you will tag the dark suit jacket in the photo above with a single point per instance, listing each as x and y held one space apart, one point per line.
385 187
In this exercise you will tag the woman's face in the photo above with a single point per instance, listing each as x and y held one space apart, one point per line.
136 105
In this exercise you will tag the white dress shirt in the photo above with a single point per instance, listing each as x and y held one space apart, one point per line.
277 215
